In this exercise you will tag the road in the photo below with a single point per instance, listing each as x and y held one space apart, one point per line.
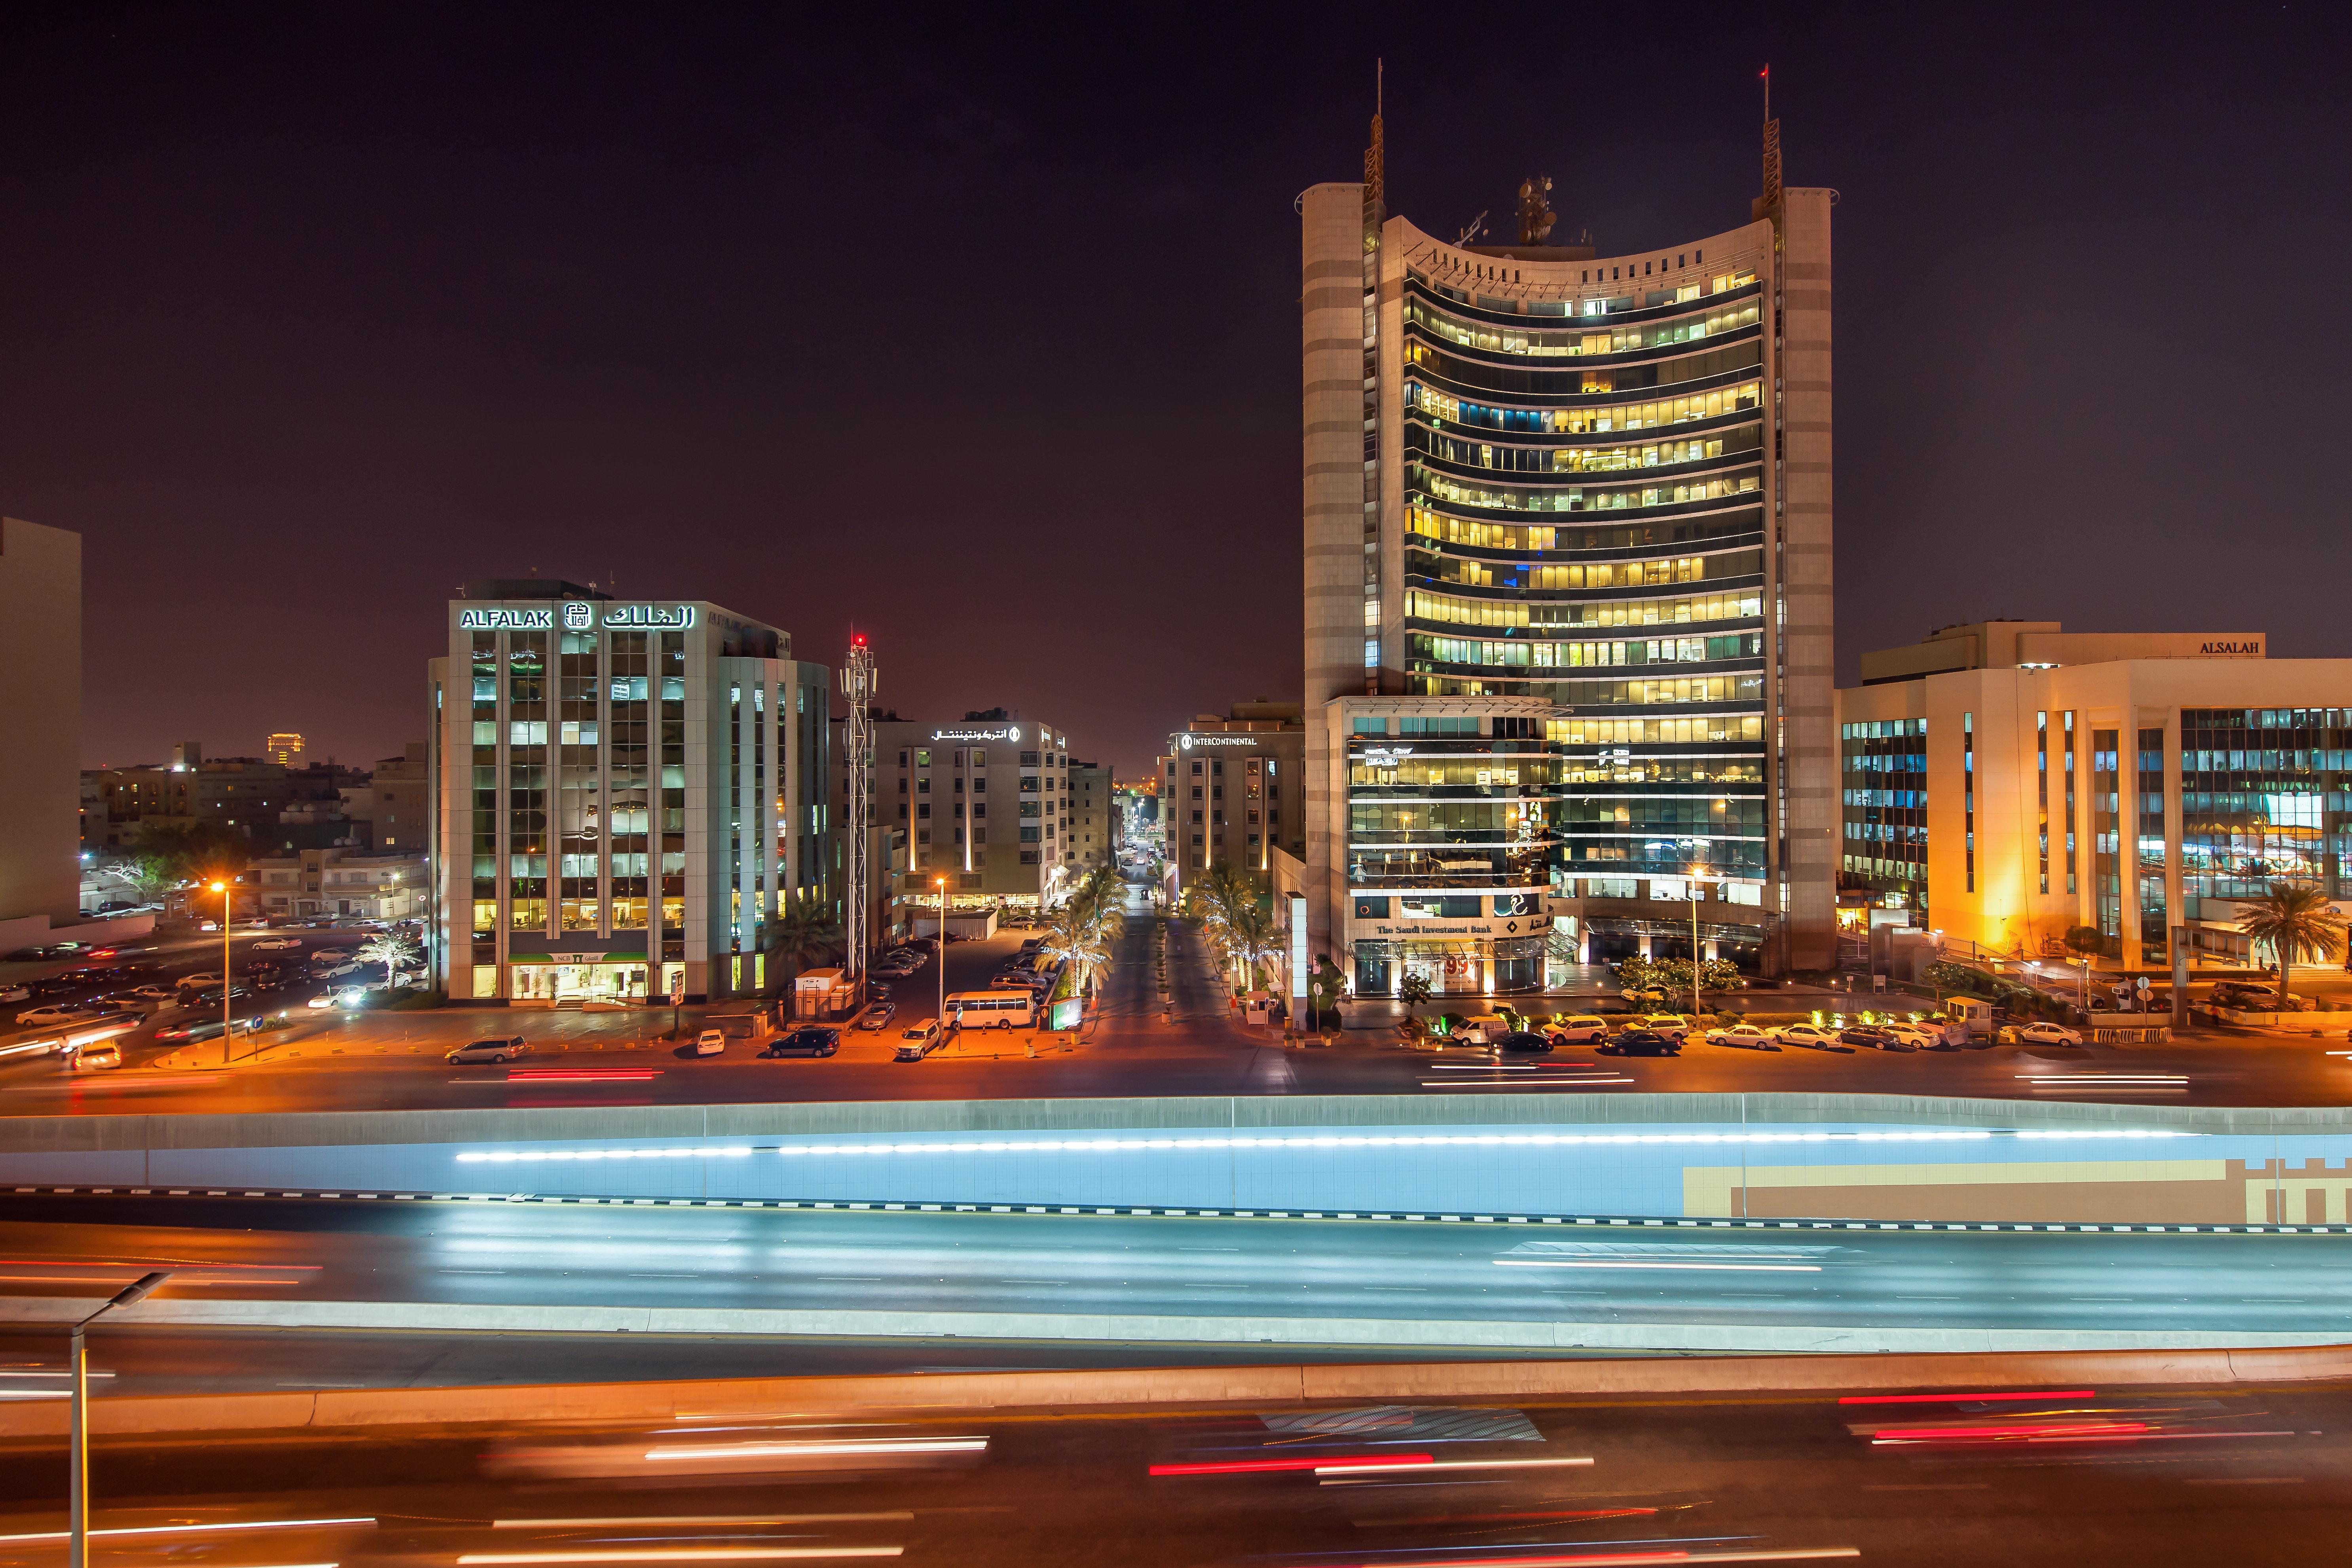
393 1060
493 1256
2142 1479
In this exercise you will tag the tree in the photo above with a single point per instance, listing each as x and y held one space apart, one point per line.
2084 941
2293 925
145 877
192 852
1414 989
1326 986
805 932
391 949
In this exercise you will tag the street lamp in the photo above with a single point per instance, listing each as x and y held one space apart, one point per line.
941 883
223 889
1697 891
77 1447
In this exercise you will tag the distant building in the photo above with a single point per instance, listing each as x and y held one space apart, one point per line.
1236 790
395 801
987 804
40 691
316 882
247 793
285 749
2007 782
1093 824
628 795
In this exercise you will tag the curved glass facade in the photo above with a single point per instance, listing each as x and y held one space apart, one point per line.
1663 759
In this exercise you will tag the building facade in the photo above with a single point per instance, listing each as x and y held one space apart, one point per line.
986 803
40 690
1093 818
1236 790
312 883
1596 491
2007 783
283 748
629 795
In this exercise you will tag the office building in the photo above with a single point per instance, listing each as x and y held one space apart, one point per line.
1093 822
986 803
2008 782
1237 788
1590 493
285 749
629 795
40 691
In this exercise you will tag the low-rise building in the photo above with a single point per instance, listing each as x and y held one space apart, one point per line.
310 883
2007 782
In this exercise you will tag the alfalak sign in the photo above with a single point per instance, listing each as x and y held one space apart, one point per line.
579 617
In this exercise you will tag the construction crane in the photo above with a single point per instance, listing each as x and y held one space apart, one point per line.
859 681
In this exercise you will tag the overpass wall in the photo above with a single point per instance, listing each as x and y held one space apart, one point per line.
1793 1155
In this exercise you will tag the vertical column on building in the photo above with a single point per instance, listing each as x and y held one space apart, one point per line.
1806 672
1332 309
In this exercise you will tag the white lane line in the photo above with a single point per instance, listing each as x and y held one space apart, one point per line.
893 1516
197 1529
1423 1466
674 1554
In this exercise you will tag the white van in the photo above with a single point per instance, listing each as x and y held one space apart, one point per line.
1015 1009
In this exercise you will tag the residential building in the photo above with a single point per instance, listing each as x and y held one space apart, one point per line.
987 804
629 795
247 793
283 748
310 883
1093 821
2008 782
1591 493
1236 790
40 691
396 800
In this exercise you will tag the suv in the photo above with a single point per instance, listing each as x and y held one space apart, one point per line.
501 1048
809 1039
920 1041
1584 1029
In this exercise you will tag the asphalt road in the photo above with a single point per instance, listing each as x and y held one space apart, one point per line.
2141 1478
393 1060
500 1255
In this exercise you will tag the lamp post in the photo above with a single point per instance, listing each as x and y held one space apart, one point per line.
1697 892
78 1445
222 888
942 883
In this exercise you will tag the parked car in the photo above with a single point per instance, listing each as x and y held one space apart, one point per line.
1671 1024
15 994
2046 1033
197 1029
1523 1040
920 1041
1920 1037
1811 1037
55 1012
1641 1043
809 1039
276 943
878 1016
1584 1029
1644 996
1743 1037
710 1043
202 977
497 1048
149 994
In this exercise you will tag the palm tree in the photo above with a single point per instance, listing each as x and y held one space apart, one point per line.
390 949
805 932
2295 924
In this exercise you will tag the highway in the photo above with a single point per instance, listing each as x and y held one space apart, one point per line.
490 1257
393 1060
2080 1477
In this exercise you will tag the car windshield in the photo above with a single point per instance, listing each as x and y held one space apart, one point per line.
916 1034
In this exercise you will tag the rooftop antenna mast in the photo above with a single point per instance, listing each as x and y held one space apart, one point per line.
1771 148
858 683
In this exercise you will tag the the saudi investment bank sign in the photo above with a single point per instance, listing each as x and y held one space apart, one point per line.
579 617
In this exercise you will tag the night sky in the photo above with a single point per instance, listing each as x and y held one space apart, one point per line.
977 330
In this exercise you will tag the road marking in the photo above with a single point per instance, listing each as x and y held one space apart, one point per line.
1628 1263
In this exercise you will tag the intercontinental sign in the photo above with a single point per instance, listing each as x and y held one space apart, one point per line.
1004 733
579 617
1188 742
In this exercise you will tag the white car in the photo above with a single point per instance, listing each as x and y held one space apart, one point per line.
1674 1026
274 943
1812 1037
710 1043
55 1013
1584 1029
1745 1036
2045 1033
149 994
1920 1037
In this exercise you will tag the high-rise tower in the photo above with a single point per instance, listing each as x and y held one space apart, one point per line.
1568 523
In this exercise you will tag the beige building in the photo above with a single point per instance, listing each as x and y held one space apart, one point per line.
1595 484
40 767
1235 787
989 805
2008 781
317 882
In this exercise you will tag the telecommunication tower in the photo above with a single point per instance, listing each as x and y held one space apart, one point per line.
859 681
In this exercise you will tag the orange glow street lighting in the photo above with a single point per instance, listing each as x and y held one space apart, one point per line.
942 883
223 889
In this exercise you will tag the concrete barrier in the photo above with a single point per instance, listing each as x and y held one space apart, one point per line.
930 1394
1878 1157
